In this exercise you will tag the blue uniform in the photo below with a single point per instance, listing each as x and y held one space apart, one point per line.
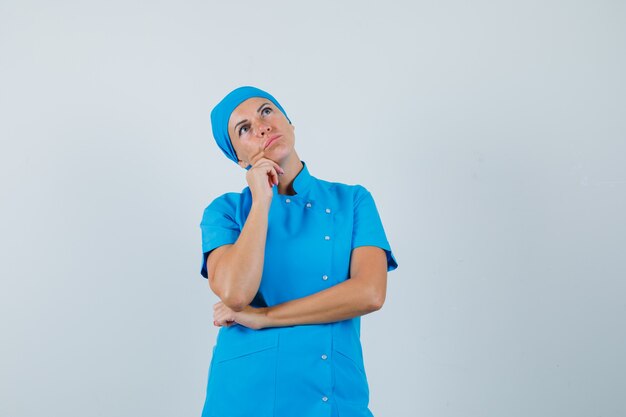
313 370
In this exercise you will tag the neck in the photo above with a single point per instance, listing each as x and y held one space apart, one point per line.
292 167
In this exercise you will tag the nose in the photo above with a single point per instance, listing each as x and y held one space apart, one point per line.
262 128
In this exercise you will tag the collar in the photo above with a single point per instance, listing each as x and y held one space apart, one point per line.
302 182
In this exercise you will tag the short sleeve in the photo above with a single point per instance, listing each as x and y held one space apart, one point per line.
368 228
218 226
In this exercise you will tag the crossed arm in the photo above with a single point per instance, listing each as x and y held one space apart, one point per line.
363 293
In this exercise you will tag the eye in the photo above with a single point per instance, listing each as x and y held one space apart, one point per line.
267 108
242 128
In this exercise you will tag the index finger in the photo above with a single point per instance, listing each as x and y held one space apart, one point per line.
256 157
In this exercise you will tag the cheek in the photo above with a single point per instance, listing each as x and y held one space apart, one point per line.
240 150
245 150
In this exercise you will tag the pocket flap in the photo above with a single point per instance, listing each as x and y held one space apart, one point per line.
351 351
251 343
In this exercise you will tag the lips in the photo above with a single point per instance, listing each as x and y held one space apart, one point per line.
270 140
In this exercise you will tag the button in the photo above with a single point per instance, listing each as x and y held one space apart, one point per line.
324 399
327 210
308 205
327 237
288 200
324 357
325 277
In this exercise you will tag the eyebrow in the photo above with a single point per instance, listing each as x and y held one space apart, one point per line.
245 120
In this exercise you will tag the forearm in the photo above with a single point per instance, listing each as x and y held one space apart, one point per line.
239 270
343 301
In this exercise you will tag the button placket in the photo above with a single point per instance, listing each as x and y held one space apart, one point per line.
328 239
326 384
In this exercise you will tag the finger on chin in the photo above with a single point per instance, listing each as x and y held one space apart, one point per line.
255 158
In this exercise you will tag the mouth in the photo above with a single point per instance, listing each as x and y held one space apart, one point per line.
270 140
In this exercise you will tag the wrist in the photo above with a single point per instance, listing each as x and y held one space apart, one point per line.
260 206
265 318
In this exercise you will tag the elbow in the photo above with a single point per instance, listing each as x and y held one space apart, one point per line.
377 304
234 304
377 297
236 300
233 300
376 301
231 297
231 283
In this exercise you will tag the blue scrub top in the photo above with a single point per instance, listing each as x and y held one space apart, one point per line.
307 370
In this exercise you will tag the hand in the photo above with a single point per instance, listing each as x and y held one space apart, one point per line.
253 318
262 176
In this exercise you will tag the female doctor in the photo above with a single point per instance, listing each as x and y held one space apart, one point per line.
296 261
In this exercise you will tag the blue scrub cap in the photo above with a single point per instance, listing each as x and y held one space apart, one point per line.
222 111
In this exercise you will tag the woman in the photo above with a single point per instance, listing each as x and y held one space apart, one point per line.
295 262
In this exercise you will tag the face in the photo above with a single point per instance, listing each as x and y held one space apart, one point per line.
257 128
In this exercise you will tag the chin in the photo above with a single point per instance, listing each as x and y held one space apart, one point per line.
277 152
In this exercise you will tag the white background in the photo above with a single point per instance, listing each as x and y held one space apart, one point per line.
492 136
